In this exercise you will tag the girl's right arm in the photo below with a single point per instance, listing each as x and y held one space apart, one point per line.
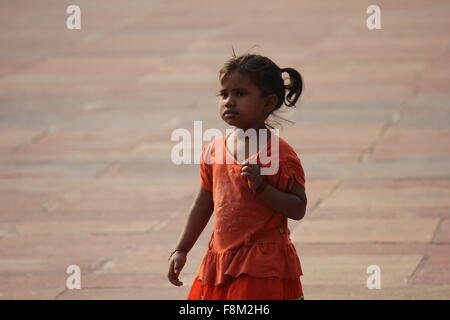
199 216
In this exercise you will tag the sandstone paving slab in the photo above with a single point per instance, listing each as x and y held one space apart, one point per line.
59 176
412 143
358 230
141 171
322 166
24 201
55 263
53 37
433 270
153 259
173 224
442 234
120 280
324 163
56 113
342 136
22 265
426 112
31 287
16 86
379 47
386 66
7 230
433 168
168 44
11 138
114 200
92 66
426 104
363 192
155 293
182 176
361 92
319 115
434 79
400 212
63 145
11 64
42 261
408 292
57 187
154 282
330 249
357 72
125 121
46 253
352 270
85 227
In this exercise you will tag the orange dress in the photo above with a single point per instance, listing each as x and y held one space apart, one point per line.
250 254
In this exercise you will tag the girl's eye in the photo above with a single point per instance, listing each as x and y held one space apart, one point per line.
224 94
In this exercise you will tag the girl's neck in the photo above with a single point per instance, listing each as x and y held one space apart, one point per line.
256 128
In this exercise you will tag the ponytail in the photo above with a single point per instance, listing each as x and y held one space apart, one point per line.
294 87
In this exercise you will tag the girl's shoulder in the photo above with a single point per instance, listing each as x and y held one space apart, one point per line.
285 149
209 149
213 144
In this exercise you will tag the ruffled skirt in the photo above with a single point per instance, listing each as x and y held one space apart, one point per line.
246 287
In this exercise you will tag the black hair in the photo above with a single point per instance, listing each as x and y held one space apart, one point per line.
268 77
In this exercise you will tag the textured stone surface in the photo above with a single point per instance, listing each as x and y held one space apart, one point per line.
352 270
365 230
86 118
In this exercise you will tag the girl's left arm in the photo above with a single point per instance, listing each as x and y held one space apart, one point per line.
291 204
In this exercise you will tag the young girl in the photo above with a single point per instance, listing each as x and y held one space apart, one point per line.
250 254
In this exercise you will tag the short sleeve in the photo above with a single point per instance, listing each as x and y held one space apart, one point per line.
205 171
291 170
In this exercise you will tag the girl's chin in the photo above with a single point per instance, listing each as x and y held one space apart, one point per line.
231 121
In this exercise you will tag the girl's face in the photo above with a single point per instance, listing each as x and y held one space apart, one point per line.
241 103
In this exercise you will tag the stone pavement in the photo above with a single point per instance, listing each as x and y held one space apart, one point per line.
86 118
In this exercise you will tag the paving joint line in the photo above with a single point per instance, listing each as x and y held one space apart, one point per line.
60 294
419 266
436 230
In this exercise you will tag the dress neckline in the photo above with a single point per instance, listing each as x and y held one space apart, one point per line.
228 153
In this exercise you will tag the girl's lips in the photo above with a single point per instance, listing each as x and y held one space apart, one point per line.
230 114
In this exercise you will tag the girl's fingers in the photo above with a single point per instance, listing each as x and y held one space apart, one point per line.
174 280
250 167
173 274
246 169
247 163
246 174
176 268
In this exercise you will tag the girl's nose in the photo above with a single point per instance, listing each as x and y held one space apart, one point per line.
229 101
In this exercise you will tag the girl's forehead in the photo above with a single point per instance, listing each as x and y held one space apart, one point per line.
236 79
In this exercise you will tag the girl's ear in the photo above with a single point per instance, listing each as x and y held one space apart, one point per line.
271 102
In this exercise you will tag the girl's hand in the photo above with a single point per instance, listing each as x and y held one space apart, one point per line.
176 264
253 174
